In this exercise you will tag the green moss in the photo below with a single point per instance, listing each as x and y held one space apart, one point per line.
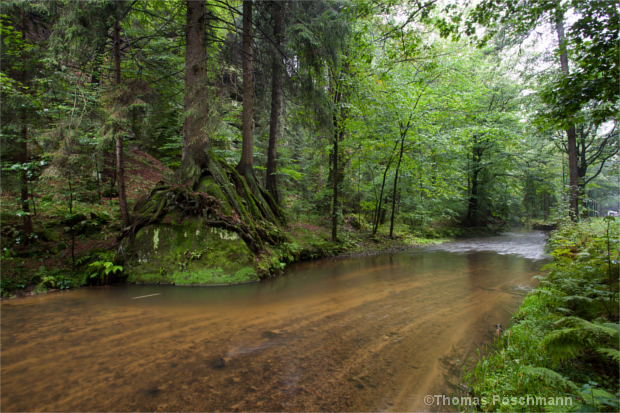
206 276
208 185
192 248
151 278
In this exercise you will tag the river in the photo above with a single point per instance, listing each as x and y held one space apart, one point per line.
358 334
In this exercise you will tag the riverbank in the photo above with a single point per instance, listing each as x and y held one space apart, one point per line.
561 350
58 261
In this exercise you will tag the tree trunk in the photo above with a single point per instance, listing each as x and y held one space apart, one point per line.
472 210
377 216
337 137
400 156
27 219
195 140
98 178
97 64
70 197
276 103
34 205
573 171
582 169
120 164
335 183
253 214
247 147
23 156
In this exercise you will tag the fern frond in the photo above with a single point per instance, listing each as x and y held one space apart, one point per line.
563 344
570 298
544 292
610 352
616 328
608 329
550 376
577 334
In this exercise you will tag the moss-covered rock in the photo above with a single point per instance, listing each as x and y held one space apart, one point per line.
189 253
210 225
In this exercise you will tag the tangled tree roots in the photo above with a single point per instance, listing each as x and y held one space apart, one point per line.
253 215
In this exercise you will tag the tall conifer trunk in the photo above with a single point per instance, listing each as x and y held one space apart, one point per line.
247 149
276 103
337 136
205 185
195 139
120 164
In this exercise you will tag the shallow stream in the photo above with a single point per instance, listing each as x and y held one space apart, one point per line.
359 334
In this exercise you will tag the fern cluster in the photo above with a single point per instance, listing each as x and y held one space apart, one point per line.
564 338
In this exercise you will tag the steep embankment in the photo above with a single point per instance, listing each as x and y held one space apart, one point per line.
65 238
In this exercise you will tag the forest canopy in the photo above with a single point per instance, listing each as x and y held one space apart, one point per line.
416 114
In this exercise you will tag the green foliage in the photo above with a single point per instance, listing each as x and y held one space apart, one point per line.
576 336
367 75
9 285
593 85
566 330
103 267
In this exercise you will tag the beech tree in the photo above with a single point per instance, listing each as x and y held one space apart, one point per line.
597 20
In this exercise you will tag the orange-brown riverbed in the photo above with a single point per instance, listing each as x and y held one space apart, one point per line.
360 334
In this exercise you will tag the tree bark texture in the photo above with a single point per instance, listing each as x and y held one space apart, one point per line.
335 188
337 176
195 139
247 147
276 103
120 164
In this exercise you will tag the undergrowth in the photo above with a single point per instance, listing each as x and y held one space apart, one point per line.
564 338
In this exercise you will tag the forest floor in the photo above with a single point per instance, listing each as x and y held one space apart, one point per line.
361 242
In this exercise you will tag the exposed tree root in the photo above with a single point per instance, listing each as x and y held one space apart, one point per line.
254 215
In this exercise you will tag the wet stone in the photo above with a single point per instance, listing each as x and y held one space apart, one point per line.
154 391
270 334
218 363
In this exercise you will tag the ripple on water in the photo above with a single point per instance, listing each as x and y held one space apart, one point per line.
527 244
